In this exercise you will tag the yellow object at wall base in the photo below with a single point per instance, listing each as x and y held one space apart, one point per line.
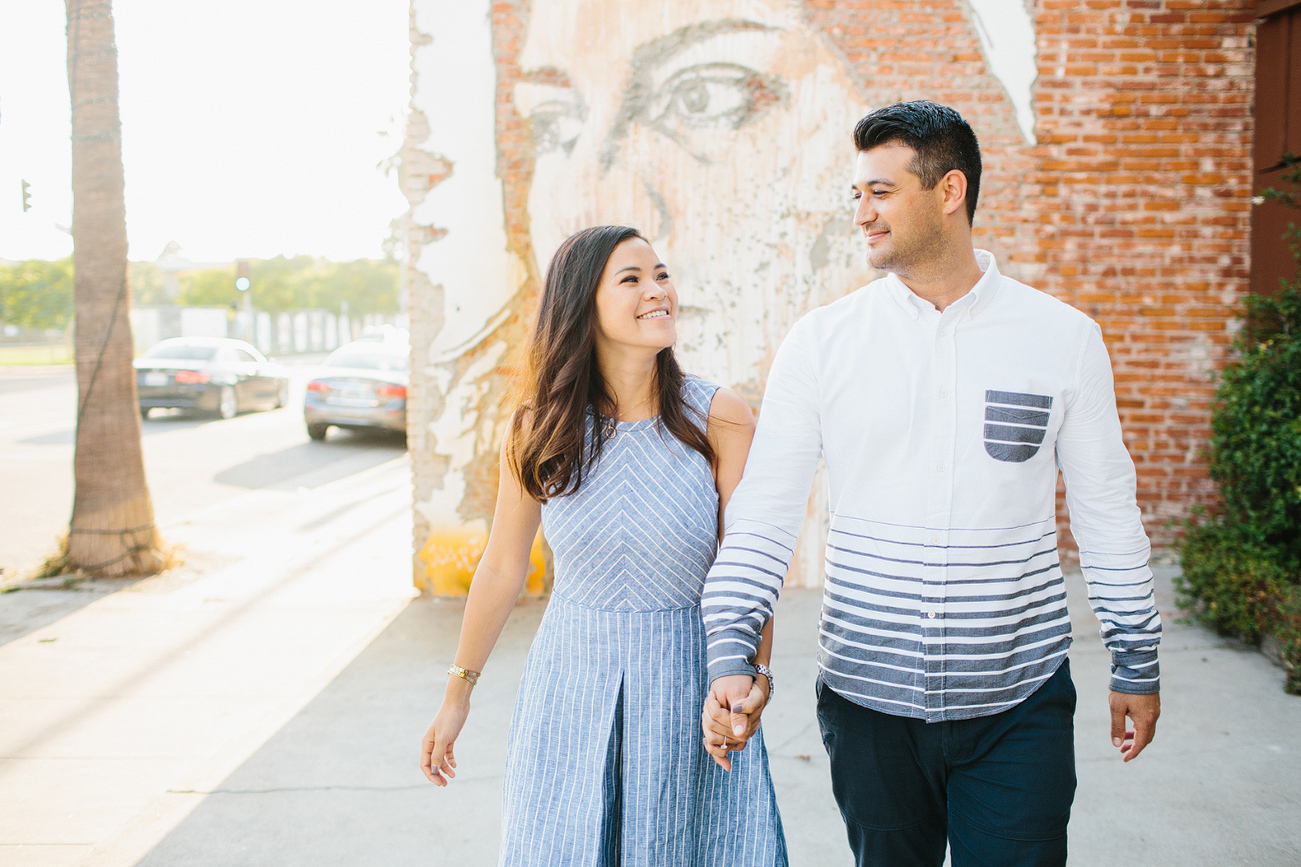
451 555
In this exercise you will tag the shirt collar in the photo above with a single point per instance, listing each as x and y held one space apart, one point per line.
977 299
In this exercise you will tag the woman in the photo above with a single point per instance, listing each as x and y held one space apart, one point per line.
628 464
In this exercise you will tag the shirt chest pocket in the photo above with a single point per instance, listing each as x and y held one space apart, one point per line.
1016 424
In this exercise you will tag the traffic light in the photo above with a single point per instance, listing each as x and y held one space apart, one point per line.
27 197
241 282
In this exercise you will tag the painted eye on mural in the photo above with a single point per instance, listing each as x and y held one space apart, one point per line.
555 126
722 95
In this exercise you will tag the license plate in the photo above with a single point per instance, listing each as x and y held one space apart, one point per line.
155 378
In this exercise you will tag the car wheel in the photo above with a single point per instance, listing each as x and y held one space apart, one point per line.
227 402
317 431
282 396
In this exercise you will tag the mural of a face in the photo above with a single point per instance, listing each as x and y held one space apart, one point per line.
721 129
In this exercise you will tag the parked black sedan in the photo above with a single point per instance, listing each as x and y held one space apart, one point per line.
362 385
213 374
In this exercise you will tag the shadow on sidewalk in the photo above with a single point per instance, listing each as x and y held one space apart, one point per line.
340 783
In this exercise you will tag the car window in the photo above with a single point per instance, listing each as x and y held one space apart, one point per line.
182 352
244 357
360 359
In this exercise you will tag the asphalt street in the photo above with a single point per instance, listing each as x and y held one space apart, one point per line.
192 462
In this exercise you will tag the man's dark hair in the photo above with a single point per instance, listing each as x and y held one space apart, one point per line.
942 139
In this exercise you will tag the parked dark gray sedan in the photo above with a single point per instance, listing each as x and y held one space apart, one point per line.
362 385
214 374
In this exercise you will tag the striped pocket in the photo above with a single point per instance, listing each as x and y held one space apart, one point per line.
1015 424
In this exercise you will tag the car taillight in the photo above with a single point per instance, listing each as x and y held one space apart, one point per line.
191 376
317 385
391 391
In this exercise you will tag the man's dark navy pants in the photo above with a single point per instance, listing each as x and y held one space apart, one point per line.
998 789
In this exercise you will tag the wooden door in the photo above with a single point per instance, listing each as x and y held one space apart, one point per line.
1278 132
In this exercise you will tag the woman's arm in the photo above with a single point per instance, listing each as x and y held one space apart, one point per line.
497 582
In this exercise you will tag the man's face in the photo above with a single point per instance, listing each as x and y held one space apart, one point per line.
901 222
720 129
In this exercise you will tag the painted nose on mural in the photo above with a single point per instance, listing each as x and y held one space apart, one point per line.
616 192
626 198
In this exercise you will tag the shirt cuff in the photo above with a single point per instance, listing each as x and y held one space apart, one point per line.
730 653
1135 673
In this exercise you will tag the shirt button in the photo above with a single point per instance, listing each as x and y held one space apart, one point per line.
930 615
939 468
944 332
944 392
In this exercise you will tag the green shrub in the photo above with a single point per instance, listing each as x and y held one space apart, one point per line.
1289 636
1234 587
1256 439
1242 562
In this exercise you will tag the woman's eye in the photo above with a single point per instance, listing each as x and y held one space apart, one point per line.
721 95
555 126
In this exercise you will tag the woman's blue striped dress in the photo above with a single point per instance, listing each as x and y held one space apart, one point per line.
605 765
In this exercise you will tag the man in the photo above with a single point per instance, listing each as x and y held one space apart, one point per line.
943 398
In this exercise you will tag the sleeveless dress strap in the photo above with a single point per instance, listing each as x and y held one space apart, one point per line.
698 394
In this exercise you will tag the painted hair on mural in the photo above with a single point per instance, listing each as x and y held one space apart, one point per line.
550 444
942 139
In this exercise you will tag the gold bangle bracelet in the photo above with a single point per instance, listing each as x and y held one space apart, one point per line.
471 677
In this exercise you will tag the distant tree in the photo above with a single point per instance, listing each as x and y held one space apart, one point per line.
284 283
112 530
210 287
147 284
36 294
368 285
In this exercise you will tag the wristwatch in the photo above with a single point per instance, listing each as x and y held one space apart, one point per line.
766 672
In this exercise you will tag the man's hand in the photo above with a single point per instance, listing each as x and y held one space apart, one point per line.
721 736
1143 710
736 696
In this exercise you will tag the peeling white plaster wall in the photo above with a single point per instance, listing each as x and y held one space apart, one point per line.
456 83
1007 37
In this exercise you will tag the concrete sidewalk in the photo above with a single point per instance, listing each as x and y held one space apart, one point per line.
115 716
166 745
338 784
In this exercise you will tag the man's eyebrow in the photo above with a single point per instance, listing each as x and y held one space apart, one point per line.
650 55
875 182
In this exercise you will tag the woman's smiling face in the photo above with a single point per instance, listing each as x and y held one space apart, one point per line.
636 304
719 128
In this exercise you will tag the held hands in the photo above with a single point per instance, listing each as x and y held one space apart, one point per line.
1143 710
731 714
441 737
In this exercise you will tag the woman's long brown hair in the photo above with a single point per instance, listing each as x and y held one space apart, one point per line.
549 444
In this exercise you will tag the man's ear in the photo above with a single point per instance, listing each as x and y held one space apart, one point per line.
953 188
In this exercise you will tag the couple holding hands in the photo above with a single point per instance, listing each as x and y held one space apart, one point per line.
944 399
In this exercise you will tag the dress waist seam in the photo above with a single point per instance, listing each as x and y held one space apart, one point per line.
570 602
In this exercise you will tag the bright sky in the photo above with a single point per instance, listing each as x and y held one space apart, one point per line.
250 128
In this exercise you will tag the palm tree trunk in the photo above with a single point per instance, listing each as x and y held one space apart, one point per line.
112 530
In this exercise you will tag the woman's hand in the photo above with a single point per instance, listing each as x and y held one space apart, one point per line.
441 738
721 724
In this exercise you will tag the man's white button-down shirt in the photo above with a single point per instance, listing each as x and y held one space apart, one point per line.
942 433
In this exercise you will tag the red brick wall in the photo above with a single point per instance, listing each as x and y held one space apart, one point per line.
1134 206
1141 201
